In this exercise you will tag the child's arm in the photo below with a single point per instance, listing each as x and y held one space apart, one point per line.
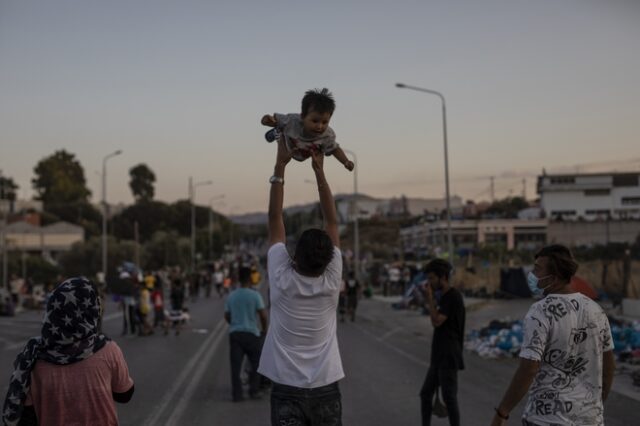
342 157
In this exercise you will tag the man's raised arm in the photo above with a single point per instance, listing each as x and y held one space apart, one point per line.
276 196
327 203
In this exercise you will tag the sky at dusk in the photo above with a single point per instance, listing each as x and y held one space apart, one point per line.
181 86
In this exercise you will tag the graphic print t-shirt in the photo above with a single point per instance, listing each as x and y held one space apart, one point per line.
568 334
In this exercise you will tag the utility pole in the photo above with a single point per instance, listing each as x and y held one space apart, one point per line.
492 189
136 232
524 189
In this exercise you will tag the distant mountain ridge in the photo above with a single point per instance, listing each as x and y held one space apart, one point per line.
413 206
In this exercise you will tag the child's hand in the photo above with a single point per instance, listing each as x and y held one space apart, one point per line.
349 165
317 159
269 120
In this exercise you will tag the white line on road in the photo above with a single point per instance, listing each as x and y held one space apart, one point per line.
111 316
170 396
197 375
390 333
390 346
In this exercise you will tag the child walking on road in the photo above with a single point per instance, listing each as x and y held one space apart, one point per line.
308 131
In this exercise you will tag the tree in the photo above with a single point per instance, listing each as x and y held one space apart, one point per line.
151 216
60 179
507 207
141 183
61 185
7 189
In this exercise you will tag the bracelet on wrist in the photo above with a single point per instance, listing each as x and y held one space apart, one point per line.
502 416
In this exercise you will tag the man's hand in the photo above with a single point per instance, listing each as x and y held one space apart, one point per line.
269 120
317 160
284 156
497 421
349 165
428 291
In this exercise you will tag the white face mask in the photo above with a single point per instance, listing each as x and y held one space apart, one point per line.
532 282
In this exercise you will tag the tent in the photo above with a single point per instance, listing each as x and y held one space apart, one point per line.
514 282
580 285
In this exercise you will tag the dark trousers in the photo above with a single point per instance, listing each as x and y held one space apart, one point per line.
241 344
447 380
292 406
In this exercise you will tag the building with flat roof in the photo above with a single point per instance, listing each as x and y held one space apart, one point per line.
593 196
51 239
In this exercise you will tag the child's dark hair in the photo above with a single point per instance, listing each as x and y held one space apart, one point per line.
318 100
439 267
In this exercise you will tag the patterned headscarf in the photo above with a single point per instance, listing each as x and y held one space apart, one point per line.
69 334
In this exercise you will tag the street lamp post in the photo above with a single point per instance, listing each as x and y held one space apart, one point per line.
104 213
3 240
446 160
211 200
192 196
356 208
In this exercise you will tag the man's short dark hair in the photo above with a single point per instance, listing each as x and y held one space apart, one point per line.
244 275
318 100
561 262
439 267
314 251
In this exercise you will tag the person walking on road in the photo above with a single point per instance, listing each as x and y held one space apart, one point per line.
218 279
71 374
300 354
353 293
447 312
240 311
566 359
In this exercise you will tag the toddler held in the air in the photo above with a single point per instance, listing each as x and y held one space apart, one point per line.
308 130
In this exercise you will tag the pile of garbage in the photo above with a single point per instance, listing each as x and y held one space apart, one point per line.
626 340
500 339
503 338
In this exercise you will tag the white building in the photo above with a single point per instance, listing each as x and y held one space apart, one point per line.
469 234
594 196
54 238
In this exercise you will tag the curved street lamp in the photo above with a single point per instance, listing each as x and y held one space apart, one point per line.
104 212
192 196
356 208
446 159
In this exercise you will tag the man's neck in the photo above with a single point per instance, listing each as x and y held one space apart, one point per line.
564 289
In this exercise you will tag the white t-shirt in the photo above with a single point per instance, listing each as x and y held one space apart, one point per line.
568 334
301 348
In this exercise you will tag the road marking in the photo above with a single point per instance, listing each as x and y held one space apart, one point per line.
111 316
390 346
185 398
390 333
171 396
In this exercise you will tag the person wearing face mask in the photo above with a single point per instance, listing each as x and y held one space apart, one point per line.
447 312
566 360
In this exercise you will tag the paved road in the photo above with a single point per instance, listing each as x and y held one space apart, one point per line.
185 379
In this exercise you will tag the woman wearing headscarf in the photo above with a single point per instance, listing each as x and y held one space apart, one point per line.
71 373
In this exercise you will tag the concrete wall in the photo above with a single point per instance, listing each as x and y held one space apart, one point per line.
592 233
